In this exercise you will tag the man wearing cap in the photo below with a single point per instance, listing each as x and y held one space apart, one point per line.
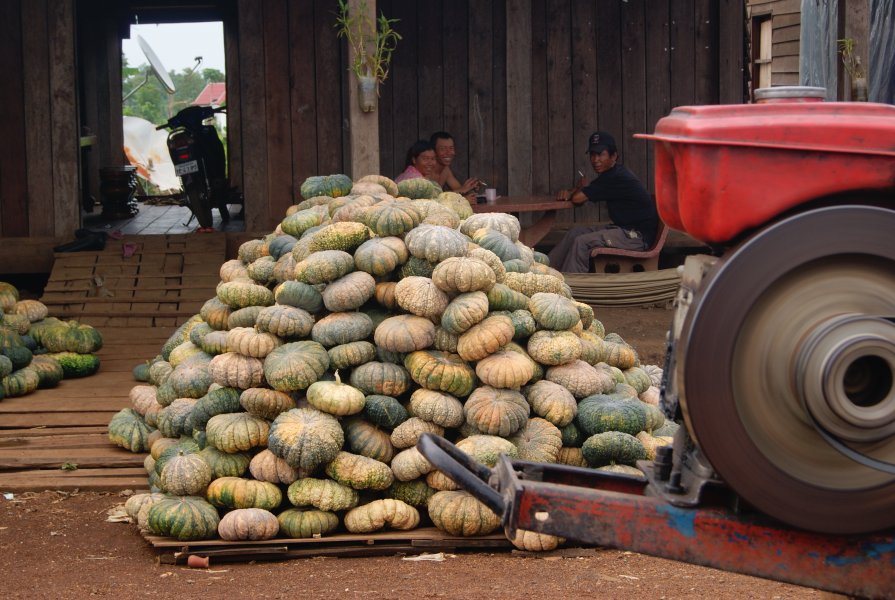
631 210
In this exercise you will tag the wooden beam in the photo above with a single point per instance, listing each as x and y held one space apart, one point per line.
519 136
253 107
13 167
364 125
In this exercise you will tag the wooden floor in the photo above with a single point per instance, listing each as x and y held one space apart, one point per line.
137 301
160 217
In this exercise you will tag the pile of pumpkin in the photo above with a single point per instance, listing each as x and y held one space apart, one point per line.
38 351
376 312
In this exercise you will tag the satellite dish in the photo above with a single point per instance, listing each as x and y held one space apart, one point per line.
157 67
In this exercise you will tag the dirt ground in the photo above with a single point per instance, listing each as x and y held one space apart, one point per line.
56 545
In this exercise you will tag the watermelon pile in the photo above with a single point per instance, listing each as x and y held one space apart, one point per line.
374 313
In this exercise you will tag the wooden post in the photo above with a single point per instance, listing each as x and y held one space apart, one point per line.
363 126
519 147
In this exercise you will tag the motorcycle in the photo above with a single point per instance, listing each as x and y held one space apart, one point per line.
198 156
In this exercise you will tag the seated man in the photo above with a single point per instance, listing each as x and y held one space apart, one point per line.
443 143
631 209
420 162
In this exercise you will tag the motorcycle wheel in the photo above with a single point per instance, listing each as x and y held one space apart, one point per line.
199 203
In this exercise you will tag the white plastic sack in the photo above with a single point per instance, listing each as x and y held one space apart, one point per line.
146 149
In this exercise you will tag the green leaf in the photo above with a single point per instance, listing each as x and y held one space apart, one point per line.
69 466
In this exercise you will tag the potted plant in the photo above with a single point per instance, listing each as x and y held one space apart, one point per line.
851 62
372 42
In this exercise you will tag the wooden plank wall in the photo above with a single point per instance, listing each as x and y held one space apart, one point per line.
786 19
541 75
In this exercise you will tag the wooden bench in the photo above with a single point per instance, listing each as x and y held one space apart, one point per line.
616 260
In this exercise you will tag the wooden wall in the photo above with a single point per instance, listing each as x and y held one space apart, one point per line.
786 16
521 84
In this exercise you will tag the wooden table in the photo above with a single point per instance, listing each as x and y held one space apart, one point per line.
535 232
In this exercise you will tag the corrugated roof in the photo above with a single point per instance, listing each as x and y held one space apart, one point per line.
214 94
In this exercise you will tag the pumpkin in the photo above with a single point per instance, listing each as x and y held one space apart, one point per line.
614 447
322 494
505 369
579 378
346 236
232 369
248 524
456 203
72 337
417 266
250 342
496 411
349 292
435 243
359 472
572 456
282 321
185 518
601 412
232 270
186 474
251 250
532 541
416 493
237 432
261 270
532 283
281 245
379 513
538 441
392 219
49 371
214 312
128 430
553 402
385 295
295 366
436 407
297 223
552 311
5 366
420 296
464 311
498 243
225 464
240 294
651 443
299 295
440 371
380 378
265 403
190 380
142 397
342 328
459 513
637 378
619 355
460 274
410 464
668 429
218 401
33 310
187 352
387 184
405 333
326 185
324 267
627 470
306 438
19 383
175 419
418 187
445 341
384 411
554 347
236 492
335 397
504 223
298 523
501 297
266 466
134 504
351 354
485 338
408 433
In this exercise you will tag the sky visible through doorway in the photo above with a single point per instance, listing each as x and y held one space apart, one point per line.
177 45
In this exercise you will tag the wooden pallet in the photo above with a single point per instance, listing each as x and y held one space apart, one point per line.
137 302
415 541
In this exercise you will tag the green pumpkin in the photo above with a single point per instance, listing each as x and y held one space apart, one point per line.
281 245
419 267
72 337
441 371
224 464
237 492
501 297
351 354
415 493
380 256
552 311
464 311
322 494
185 474
296 224
76 365
418 188
300 523
342 328
324 267
367 439
20 382
335 397
5 366
459 513
9 337
265 403
19 356
185 518
384 411
603 412
334 186
295 366
613 447
218 401
572 436
175 420
386 379
240 294
300 295
344 236
360 472
128 430
392 219
305 438
174 447
237 432
637 378
214 312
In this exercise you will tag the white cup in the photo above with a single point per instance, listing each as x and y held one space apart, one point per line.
490 195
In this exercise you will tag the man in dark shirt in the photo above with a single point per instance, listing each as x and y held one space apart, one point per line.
631 209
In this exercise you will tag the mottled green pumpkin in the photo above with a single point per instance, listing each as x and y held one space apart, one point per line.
359 472
417 266
19 356
72 337
552 311
286 322
538 441
532 283
128 430
218 401
342 328
216 313
380 256
345 236
265 402
190 380
48 369
459 513
415 493
225 464
175 419
295 366
435 243
554 347
299 524
496 242
501 297
322 494
324 267
384 411
335 398
306 437
613 447
367 439
300 295
392 219
386 379
462 274
240 294
637 378
616 354
244 317
186 474
580 378
351 354
418 187
333 186
184 518
302 220
238 492
20 382
552 402
441 371
602 412
464 311
237 432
